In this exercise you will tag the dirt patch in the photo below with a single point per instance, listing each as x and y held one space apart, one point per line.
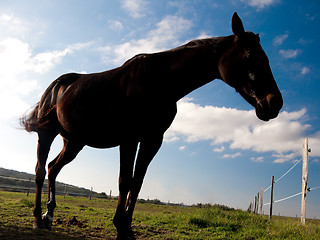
71 222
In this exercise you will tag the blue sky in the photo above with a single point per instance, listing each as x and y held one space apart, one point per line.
216 150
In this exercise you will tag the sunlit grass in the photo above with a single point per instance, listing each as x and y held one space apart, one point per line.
93 220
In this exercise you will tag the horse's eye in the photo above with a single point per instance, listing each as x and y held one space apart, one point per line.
252 76
252 93
248 55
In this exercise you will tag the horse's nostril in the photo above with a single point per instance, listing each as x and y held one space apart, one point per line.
275 102
269 99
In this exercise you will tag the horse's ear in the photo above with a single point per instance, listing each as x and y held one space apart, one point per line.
236 24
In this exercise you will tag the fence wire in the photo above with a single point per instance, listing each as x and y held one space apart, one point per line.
283 175
310 189
294 195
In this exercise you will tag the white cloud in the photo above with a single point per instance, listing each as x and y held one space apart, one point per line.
13 56
314 143
241 129
12 26
115 25
18 72
260 4
11 105
257 159
165 35
278 40
281 157
134 7
281 134
194 122
16 57
305 70
181 148
290 53
219 149
203 35
169 138
43 62
232 155
20 66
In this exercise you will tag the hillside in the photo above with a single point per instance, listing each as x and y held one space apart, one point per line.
11 180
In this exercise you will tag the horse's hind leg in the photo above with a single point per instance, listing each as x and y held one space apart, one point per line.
68 153
45 140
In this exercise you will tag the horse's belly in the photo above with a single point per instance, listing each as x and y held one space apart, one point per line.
99 133
108 125
104 136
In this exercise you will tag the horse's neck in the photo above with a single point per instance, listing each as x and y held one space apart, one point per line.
195 64
171 75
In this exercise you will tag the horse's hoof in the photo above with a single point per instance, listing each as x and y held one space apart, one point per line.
38 224
47 220
126 238
129 236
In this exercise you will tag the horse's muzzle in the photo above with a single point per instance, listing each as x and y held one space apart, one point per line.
269 107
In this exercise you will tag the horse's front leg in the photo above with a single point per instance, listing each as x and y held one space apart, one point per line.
148 149
127 156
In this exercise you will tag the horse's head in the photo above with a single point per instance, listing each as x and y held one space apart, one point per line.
245 66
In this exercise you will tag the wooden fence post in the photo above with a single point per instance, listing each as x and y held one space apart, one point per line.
252 206
271 200
255 204
304 180
257 207
65 191
29 185
91 193
261 200
249 208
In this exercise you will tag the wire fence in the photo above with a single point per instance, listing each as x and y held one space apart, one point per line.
253 207
283 199
283 174
293 195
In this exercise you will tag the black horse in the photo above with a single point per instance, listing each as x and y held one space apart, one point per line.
136 103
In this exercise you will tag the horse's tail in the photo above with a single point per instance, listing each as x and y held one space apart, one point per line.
30 121
44 115
40 117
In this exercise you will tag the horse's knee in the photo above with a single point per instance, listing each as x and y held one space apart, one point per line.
37 212
51 204
40 175
52 174
125 183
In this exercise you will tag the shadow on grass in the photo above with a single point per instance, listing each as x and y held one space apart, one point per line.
10 232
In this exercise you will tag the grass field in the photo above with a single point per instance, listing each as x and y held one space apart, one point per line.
81 218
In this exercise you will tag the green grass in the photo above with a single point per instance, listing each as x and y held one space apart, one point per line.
151 221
